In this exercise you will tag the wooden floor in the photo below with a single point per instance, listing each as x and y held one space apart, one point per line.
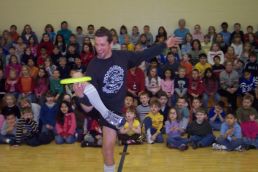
141 158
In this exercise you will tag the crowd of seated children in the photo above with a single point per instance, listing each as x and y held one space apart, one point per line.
171 94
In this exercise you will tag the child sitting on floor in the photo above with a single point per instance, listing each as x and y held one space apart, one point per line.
230 135
93 137
200 131
173 131
153 123
131 132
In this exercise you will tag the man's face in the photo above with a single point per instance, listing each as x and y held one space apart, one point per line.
103 47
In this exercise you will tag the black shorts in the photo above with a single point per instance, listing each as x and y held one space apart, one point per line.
103 122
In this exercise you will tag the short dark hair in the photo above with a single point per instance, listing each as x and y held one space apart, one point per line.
248 97
224 24
201 110
9 114
155 101
203 55
13 26
79 27
252 54
90 25
102 31
162 94
64 22
230 112
50 94
220 104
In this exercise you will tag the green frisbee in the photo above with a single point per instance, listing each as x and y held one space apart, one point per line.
75 80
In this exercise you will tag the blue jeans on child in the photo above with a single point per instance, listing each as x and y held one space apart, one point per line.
202 141
230 144
61 140
148 125
4 137
177 141
250 142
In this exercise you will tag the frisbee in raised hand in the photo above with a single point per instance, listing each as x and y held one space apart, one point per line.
75 80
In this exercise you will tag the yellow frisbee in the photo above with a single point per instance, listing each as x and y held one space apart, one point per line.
75 80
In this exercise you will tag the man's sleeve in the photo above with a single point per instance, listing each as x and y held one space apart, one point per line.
135 58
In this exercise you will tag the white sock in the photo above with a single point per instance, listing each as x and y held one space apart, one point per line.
109 168
94 98
149 136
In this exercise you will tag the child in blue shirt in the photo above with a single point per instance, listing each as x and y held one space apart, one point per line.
48 113
230 135
8 129
217 115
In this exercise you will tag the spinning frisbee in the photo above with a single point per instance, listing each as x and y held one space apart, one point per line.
75 80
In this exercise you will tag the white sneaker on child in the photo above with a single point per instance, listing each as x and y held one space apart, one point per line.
7 141
239 148
148 135
222 147
215 146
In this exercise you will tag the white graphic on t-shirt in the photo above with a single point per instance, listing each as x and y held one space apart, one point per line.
113 80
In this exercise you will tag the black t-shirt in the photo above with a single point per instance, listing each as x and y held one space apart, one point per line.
109 75
202 129
181 83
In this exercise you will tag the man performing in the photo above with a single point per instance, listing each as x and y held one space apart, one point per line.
106 90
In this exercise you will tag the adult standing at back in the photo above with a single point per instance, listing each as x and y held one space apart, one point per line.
181 31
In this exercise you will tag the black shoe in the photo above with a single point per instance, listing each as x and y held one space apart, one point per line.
170 146
89 144
84 144
194 145
139 140
183 147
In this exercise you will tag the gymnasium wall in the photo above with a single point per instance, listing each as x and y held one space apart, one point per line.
113 13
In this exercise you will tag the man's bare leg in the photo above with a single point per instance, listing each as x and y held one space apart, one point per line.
108 147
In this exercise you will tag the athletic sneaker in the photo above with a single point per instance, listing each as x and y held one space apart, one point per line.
216 146
7 141
183 147
194 145
115 120
239 148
